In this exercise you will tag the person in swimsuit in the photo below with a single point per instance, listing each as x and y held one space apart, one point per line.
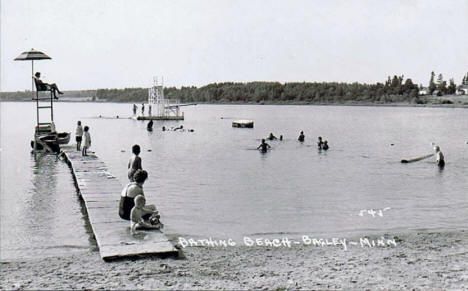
78 136
325 145
135 162
271 136
439 157
129 192
134 109
263 147
149 127
320 143
41 86
301 137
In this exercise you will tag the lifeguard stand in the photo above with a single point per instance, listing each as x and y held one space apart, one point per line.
162 109
45 127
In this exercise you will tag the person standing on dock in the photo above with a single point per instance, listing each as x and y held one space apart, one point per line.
87 141
149 109
78 135
134 109
301 137
135 162
142 108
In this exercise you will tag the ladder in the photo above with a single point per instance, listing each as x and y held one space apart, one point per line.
43 128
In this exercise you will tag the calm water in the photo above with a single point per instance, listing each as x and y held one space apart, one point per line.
212 183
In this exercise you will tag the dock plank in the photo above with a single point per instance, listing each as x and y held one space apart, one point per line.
100 192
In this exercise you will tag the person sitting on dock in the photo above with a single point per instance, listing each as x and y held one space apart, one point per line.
142 217
320 143
439 157
149 127
263 147
87 141
325 145
301 137
78 136
41 86
135 162
130 191
271 136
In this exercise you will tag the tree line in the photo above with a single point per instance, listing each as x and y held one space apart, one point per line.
394 89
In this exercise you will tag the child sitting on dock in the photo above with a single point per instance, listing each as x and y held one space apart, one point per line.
135 162
143 218
87 141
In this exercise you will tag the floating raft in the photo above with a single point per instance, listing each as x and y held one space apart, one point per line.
100 192
155 117
243 123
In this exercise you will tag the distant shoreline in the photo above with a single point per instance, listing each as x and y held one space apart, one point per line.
457 102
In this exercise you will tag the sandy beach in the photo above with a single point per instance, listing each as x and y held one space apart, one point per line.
420 261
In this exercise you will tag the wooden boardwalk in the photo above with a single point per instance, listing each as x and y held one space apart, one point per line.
100 192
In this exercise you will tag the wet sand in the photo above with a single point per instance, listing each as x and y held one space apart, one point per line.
427 261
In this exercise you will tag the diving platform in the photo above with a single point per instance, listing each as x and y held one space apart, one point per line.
100 192
156 117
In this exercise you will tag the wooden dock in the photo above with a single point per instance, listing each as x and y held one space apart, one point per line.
154 117
100 192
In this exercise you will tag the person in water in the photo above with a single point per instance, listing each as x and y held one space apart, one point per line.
271 136
325 145
163 128
42 86
263 147
179 128
320 143
281 137
78 135
439 157
87 141
301 137
149 127
130 191
135 162
142 217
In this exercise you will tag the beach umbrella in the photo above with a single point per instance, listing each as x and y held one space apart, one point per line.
31 56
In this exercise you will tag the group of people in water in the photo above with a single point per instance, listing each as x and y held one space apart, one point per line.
132 204
135 108
79 134
263 147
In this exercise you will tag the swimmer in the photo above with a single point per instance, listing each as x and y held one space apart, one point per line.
149 127
263 147
320 143
281 137
325 145
439 157
180 127
163 128
271 137
301 137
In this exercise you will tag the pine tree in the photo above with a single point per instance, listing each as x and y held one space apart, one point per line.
452 88
432 85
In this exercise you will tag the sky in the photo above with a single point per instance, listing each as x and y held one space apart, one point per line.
118 44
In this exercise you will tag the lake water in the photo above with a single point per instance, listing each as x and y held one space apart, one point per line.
212 183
